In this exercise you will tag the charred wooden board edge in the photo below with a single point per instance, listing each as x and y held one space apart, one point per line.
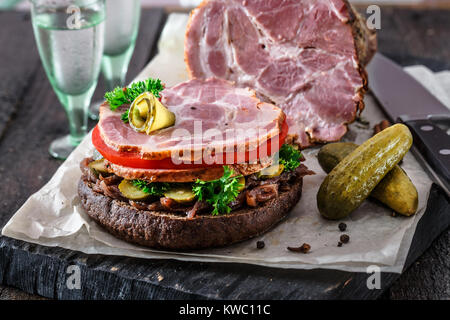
43 271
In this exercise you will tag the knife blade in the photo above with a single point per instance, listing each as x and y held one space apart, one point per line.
405 100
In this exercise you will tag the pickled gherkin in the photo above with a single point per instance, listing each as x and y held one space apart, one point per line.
182 194
241 183
271 172
98 166
132 192
395 190
353 179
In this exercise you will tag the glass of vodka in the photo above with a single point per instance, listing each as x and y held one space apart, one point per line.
8 4
121 29
70 39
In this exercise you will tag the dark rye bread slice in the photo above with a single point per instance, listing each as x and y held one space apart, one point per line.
163 230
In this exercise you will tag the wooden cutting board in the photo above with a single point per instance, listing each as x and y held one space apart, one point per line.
31 116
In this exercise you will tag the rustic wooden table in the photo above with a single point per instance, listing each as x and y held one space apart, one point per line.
30 117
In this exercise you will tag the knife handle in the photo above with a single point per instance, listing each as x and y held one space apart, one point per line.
434 145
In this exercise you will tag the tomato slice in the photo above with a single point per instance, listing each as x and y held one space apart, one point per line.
134 160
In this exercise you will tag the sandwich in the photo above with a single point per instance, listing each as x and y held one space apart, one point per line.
198 165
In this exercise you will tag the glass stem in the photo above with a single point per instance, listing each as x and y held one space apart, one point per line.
76 108
115 68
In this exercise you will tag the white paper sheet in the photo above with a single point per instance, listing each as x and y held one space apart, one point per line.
53 216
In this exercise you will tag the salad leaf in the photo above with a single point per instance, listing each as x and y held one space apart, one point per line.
120 96
152 188
290 157
124 116
218 193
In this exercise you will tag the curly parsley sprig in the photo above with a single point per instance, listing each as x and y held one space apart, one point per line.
152 188
124 116
218 193
120 96
289 157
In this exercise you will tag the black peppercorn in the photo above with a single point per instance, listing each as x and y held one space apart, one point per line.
260 244
339 244
345 238
342 226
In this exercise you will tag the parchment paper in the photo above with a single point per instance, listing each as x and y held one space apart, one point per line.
53 216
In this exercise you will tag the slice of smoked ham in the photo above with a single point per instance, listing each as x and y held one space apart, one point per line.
209 114
184 175
306 56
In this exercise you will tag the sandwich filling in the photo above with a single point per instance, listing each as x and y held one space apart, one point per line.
181 198
222 149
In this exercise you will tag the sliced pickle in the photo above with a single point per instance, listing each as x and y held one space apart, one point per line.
241 184
136 119
98 166
147 114
130 191
142 106
271 172
161 117
182 194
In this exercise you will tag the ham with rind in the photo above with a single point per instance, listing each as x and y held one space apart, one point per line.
306 56
210 114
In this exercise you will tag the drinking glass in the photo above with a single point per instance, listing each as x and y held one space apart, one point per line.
70 39
121 29
8 4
